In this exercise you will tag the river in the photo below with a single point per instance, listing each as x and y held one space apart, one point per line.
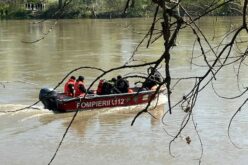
105 137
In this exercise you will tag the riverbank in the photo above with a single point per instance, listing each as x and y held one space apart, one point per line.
83 11
73 14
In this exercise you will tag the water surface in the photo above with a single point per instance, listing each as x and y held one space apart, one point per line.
106 137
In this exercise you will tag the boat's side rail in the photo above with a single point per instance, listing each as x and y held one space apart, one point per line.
93 96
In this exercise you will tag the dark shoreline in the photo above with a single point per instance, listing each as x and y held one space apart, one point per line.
81 13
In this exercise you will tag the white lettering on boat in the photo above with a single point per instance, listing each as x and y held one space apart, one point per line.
101 103
145 97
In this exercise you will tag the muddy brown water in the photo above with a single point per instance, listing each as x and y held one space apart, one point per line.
105 137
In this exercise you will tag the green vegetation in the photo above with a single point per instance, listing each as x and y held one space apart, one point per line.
108 8
197 7
13 11
101 9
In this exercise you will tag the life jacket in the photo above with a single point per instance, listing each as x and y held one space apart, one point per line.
77 90
99 87
67 89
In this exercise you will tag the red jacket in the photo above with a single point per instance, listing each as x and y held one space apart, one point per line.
99 88
79 88
67 88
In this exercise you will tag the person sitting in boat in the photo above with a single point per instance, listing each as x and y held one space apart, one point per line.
107 87
80 89
149 83
122 84
153 80
69 86
99 87
113 86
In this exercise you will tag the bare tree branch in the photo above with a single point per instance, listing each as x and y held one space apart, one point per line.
230 123
171 23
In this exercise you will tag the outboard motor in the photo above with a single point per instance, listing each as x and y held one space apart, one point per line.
48 98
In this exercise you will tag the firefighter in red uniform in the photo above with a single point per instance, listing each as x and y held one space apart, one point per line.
80 89
69 87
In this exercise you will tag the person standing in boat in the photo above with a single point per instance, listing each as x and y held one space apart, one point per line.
69 86
80 89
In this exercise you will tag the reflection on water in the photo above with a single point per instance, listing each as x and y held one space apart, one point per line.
105 136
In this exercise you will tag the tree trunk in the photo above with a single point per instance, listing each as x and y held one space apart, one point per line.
60 4
132 3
